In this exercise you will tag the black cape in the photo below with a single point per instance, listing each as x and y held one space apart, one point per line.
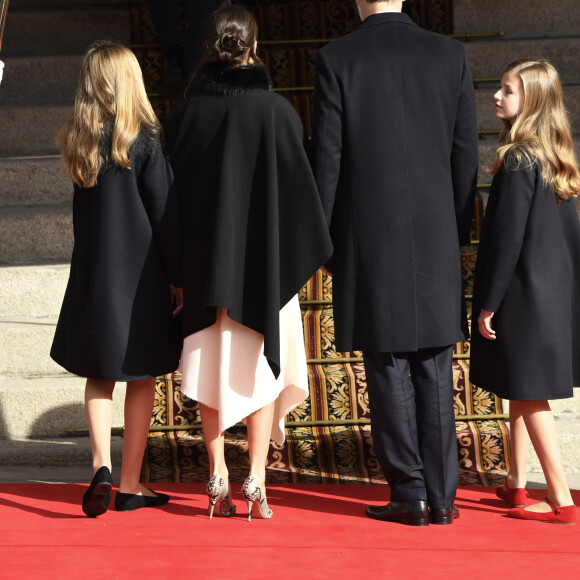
254 228
116 319
528 273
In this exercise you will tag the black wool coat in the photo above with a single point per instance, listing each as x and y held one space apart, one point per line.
528 273
395 157
116 319
253 227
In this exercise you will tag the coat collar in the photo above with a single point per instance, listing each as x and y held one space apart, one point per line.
385 18
221 79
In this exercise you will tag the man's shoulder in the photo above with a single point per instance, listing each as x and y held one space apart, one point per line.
340 44
412 36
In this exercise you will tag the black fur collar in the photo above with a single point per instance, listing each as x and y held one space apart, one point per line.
221 79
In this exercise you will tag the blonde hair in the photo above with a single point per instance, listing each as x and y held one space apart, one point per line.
541 132
110 97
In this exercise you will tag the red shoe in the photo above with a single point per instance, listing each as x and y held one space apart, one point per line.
515 497
559 515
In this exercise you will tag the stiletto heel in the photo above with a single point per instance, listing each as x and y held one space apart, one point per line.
252 492
216 489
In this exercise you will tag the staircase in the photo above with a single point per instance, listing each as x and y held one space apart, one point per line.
42 46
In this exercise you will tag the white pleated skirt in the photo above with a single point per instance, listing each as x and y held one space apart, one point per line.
224 367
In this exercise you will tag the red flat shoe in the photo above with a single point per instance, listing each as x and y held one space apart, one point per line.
517 497
559 515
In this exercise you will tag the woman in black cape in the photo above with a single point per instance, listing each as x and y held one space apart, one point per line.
254 233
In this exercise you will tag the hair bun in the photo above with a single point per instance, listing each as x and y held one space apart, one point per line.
231 36
231 44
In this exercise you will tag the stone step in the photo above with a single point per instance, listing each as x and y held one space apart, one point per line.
36 234
48 406
518 18
36 80
53 459
33 180
25 348
63 29
568 427
32 292
31 131
20 5
42 233
489 58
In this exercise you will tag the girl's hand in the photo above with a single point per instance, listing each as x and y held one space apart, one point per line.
484 324
176 299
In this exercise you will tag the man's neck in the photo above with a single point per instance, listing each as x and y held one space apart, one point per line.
367 9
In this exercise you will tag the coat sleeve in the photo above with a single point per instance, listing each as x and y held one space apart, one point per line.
326 133
505 233
465 155
160 199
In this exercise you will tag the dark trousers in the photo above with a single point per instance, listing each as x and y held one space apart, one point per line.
413 423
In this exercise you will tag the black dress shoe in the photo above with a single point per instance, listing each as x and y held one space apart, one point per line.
98 495
443 516
411 513
127 502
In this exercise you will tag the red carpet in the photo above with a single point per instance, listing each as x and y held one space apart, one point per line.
317 531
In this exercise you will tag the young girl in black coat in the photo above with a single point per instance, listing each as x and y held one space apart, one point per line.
527 278
116 322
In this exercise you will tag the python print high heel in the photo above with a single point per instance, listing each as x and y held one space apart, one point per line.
253 492
218 489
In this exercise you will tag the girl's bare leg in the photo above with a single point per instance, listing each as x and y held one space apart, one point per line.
519 445
99 411
542 429
138 409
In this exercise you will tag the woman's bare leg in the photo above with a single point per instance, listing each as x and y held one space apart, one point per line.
214 441
259 428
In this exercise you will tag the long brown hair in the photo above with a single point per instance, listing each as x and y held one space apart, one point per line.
110 94
231 36
541 132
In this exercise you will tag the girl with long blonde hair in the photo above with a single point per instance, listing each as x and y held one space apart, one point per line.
117 318
527 278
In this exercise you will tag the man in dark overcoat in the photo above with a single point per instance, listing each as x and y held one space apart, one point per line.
396 156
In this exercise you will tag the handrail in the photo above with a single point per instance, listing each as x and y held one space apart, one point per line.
197 426
3 12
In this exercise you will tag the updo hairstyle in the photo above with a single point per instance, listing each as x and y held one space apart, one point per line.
231 35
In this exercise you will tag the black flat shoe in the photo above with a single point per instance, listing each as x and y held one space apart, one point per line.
127 502
410 513
443 516
98 495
